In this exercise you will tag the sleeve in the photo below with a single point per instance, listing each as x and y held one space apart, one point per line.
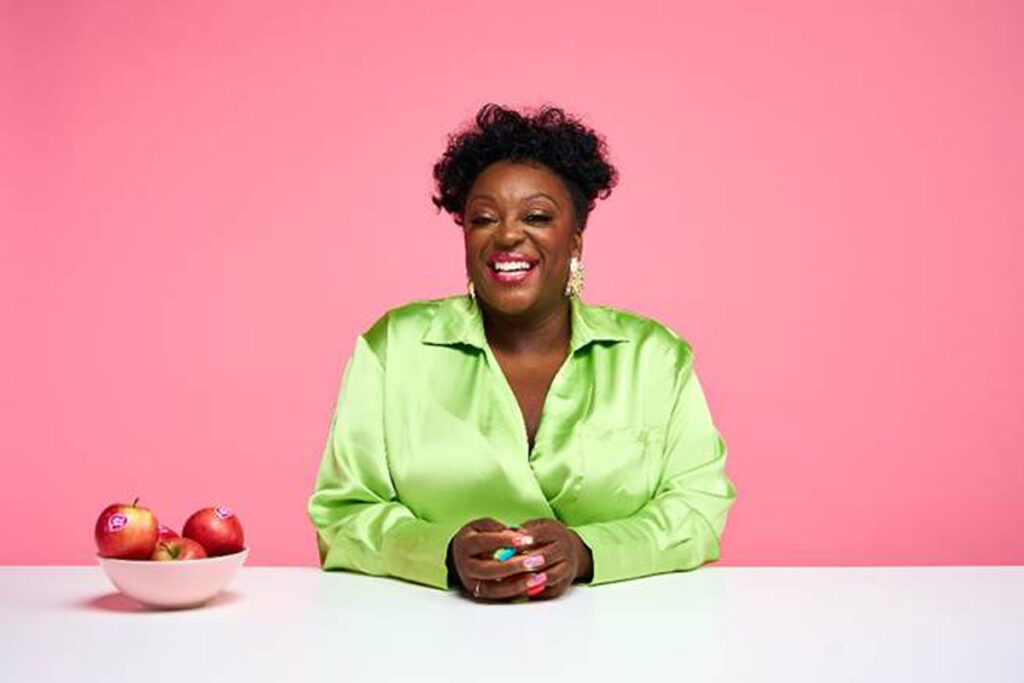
680 528
360 523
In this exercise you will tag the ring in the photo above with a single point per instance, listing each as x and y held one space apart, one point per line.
476 591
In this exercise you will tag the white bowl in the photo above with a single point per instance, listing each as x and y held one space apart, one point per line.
173 583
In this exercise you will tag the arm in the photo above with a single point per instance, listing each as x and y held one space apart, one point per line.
361 525
681 526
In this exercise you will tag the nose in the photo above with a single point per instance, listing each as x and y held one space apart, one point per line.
508 233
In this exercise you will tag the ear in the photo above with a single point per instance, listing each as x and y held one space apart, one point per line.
577 244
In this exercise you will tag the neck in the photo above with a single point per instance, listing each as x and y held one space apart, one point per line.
546 332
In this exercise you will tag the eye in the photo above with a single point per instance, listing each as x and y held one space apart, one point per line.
480 220
538 218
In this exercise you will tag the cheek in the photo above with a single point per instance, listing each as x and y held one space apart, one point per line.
473 248
470 246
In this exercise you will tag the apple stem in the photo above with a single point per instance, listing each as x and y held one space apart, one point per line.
135 501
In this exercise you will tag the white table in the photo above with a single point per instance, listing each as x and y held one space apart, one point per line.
821 624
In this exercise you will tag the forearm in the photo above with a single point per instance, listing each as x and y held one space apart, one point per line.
667 535
383 539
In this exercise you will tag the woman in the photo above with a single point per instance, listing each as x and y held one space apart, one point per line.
517 417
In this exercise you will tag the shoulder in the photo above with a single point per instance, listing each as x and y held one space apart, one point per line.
404 323
646 335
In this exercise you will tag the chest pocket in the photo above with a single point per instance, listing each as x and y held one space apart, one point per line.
620 470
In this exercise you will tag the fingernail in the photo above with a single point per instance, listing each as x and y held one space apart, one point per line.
536 580
536 590
514 526
520 541
503 554
533 562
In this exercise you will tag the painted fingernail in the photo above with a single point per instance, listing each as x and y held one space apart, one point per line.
536 580
514 526
536 590
520 541
533 562
503 554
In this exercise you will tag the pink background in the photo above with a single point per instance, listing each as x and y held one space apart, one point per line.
203 203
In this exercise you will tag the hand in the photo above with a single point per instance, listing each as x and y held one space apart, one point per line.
484 578
566 557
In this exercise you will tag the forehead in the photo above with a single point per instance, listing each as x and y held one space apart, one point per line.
514 180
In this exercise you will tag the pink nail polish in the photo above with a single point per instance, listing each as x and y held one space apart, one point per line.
536 590
533 562
536 580
520 541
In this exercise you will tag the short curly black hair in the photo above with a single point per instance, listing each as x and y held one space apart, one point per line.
574 152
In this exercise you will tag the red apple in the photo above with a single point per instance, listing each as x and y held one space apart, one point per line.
178 549
127 532
167 533
217 529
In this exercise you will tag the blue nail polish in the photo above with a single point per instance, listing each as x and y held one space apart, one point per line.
503 554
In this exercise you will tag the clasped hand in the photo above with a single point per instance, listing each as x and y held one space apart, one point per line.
549 558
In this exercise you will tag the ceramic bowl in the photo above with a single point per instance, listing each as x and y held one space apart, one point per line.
173 584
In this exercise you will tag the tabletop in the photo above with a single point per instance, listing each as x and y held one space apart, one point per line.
710 624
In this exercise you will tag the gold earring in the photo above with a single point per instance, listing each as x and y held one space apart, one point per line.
472 292
574 287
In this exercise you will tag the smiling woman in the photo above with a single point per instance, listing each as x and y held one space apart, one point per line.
515 274
518 417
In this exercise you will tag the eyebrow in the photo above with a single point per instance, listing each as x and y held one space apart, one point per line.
532 196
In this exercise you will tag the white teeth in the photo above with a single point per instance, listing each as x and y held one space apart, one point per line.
506 266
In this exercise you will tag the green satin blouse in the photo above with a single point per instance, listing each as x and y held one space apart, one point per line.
426 435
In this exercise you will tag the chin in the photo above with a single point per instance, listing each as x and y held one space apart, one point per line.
509 306
514 303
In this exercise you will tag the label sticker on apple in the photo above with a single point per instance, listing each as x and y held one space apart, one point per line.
223 512
117 522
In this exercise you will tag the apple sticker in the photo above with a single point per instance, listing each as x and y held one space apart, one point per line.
117 522
223 512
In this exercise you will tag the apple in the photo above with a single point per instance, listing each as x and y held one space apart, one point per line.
166 533
127 532
216 529
178 549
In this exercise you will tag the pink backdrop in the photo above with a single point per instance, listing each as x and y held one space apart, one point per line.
203 203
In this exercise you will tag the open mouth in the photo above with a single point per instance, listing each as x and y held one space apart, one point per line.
511 271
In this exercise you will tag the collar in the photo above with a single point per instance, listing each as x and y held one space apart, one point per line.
458 320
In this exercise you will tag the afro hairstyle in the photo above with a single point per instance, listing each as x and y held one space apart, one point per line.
576 154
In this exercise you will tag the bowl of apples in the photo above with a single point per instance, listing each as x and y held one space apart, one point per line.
157 567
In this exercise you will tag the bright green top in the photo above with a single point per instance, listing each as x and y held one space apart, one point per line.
427 435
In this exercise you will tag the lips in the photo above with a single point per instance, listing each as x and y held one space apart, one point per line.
511 267
510 257
510 277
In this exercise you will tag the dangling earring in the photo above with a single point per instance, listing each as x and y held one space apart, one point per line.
574 287
472 292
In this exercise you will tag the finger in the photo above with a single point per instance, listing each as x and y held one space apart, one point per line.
534 525
547 593
489 590
490 569
531 542
557 580
512 587
537 561
551 537
486 542
486 524
545 530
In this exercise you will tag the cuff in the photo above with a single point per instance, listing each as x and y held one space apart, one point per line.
417 550
613 560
